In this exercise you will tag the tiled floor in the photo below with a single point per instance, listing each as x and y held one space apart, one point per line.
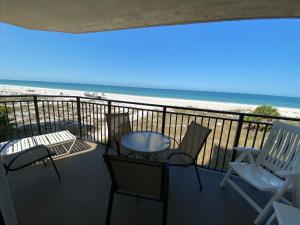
81 197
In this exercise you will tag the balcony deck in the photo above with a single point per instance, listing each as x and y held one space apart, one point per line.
81 197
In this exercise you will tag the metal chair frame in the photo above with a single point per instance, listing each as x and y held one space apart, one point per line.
164 193
194 159
111 139
8 167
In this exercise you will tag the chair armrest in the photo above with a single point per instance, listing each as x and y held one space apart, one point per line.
288 173
174 140
246 152
118 145
246 149
180 153
183 154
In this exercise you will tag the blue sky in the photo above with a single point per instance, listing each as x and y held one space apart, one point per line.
257 56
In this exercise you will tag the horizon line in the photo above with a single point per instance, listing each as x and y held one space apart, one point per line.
157 88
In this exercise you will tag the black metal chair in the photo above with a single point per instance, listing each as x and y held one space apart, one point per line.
138 178
27 156
118 125
188 150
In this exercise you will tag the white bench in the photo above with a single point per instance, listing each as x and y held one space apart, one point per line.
276 168
285 214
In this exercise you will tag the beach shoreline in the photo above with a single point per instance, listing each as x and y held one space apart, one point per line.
203 104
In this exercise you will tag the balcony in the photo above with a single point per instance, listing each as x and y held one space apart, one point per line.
81 196
31 115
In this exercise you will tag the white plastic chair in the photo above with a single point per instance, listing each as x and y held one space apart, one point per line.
276 168
285 214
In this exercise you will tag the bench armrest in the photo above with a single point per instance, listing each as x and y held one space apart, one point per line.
246 152
246 149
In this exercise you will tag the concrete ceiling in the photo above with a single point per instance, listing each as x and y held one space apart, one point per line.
80 16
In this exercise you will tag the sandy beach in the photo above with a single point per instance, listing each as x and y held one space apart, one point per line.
18 90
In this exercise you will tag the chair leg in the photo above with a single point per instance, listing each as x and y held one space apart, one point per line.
55 168
198 176
165 212
226 177
107 147
166 202
271 219
110 204
70 148
267 210
118 148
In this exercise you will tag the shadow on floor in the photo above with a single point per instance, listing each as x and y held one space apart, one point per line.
79 146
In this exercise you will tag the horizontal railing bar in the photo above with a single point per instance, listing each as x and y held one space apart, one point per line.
212 117
135 103
167 106
19 96
125 107
257 122
236 113
46 96
17 101
94 103
48 100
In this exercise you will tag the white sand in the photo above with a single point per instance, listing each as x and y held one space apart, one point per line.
15 90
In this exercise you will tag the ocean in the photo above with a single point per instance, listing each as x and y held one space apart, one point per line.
253 99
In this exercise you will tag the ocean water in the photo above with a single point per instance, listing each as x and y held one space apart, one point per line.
255 99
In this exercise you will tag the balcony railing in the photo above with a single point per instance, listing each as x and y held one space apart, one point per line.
85 117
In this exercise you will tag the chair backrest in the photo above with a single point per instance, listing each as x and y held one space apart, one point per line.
138 177
194 139
281 150
118 125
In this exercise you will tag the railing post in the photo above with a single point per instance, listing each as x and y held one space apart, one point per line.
79 116
109 113
237 135
37 114
163 125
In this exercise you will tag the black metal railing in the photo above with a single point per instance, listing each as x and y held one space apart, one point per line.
85 117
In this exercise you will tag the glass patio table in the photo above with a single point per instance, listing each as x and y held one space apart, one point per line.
145 143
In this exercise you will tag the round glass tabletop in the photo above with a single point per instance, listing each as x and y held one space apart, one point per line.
145 141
